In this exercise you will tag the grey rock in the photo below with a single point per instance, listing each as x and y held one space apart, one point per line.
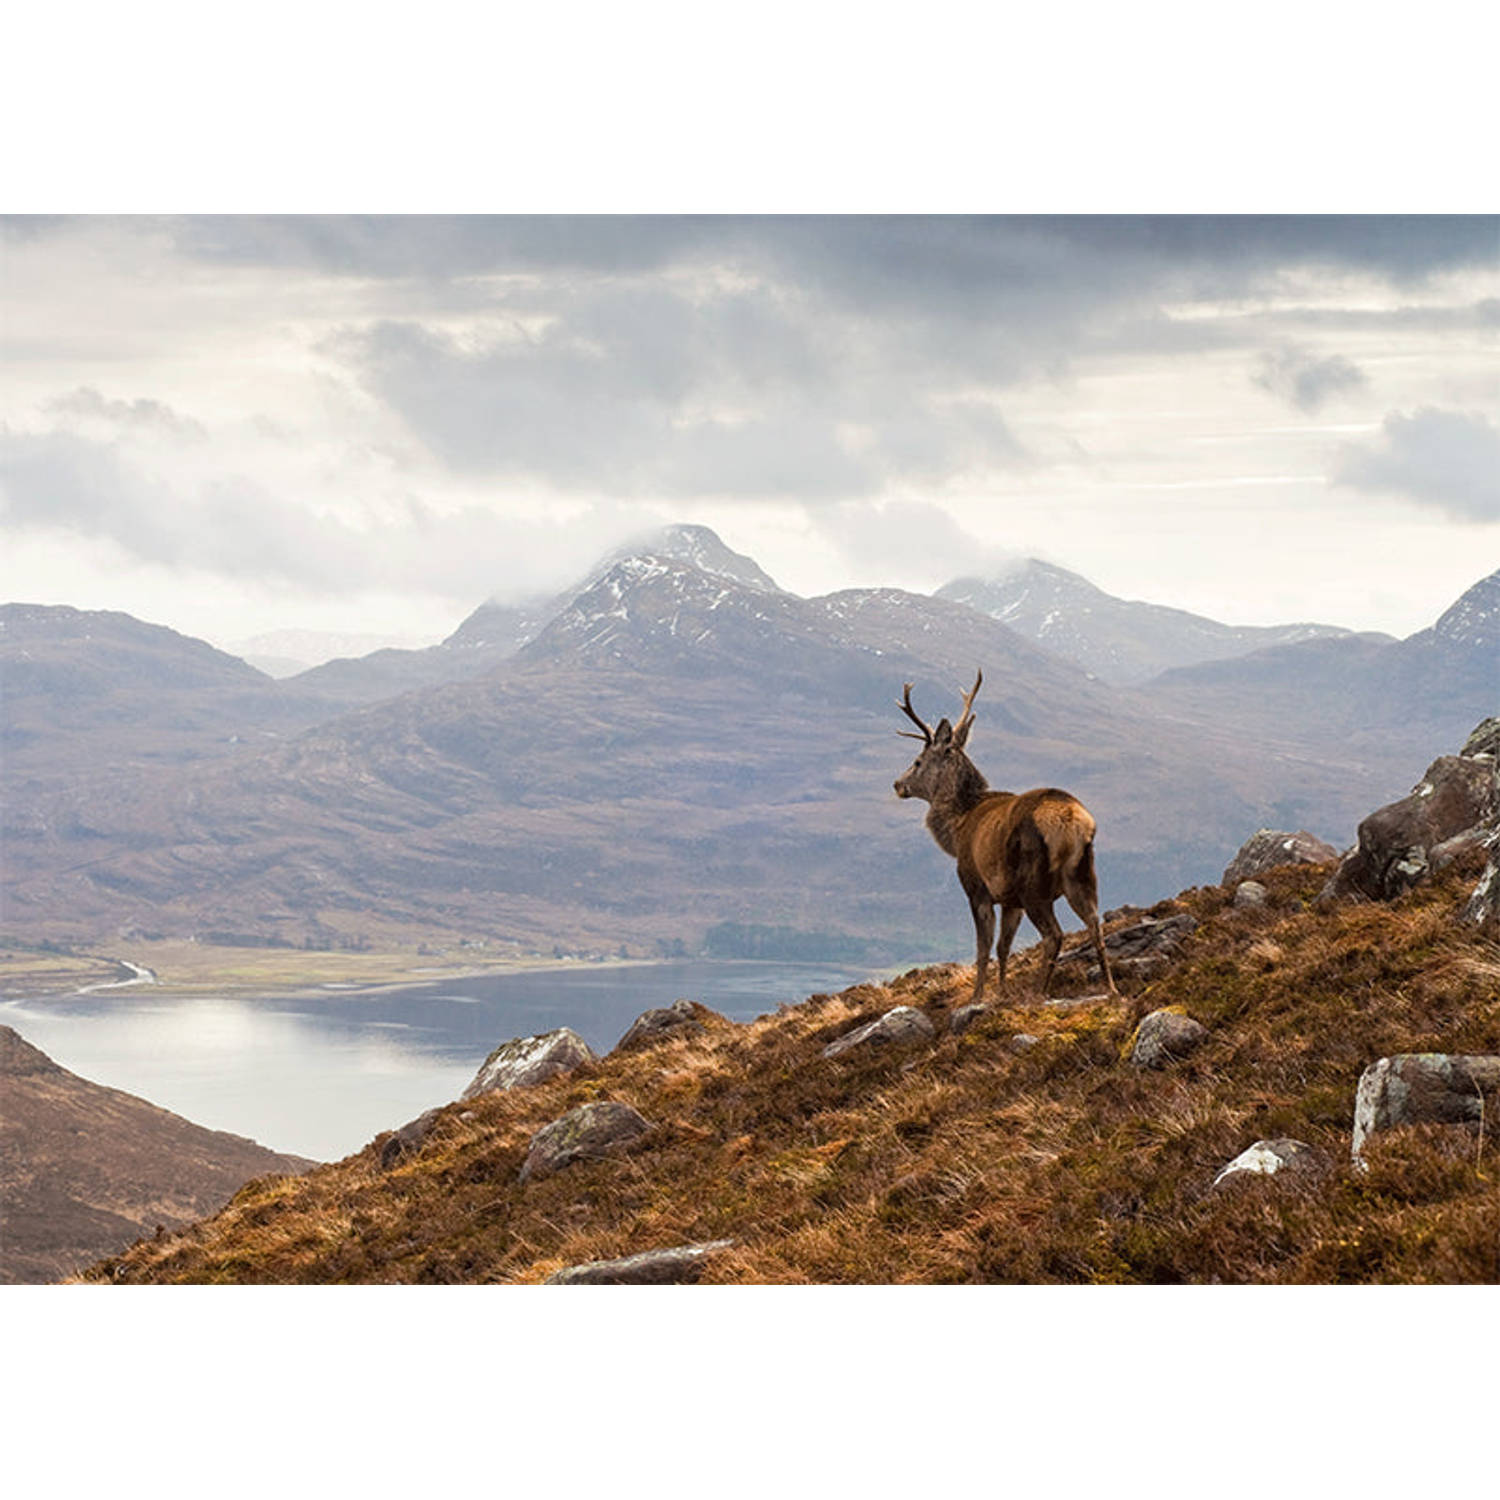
1281 1155
674 1267
1268 848
528 1060
1165 1036
584 1134
677 1019
964 1017
1393 854
408 1139
1483 907
1413 1087
1250 893
1023 1041
904 1024
1141 951
1485 740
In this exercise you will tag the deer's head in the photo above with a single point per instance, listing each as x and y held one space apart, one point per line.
941 768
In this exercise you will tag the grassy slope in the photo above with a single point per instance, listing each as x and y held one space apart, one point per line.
964 1160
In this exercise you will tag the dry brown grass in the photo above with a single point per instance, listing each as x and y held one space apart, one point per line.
964 1160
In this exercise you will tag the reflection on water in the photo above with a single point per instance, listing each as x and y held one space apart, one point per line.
322 1073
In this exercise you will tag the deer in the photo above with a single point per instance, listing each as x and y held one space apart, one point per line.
1019 851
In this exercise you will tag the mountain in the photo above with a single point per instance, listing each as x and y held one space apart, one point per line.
1121 640
284 653
86 1170
675 749
1367 697
1029 1148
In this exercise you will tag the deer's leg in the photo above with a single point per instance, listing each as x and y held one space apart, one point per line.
1045 921
984 937
1086 904
1010 919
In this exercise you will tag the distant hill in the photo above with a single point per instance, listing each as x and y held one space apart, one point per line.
1121 640
86 1170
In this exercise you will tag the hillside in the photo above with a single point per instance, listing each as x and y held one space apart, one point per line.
85 1170
973 1157
1123 641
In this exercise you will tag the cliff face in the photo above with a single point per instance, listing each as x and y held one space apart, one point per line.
1035 1142
85 1170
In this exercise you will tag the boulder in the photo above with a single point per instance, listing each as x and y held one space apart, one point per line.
1485 740
1457 794
1413 1087
1267 848
1250 893
530 1059
408 1139
683 1263
1281 1155
1140 951
583 1134
902 1025
964 1017
678 1019
1483 908
1165 1036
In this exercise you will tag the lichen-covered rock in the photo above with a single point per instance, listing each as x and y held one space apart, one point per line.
1141 951
407 1139
1282 1155
1165 1036
1268 847
964 1017
1483 907
674 1267
530 1059
1023 1041
678 1019
1413 1087
1250 893
904 1024
583 1134
1457 794
1485 740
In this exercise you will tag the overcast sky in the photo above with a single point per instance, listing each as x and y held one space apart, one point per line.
234 425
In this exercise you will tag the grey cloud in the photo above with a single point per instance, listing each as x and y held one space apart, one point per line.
143 412
915 540
1297 376
1446 459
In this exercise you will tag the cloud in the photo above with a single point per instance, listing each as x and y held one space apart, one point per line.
143 412
915 541
1306 381
1446 459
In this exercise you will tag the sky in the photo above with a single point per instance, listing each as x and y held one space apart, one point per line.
238 424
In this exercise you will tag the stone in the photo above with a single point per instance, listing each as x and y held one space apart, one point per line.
1165 1036
964 1017
1393 854
674 1267
678 1019
1250 893
1268 848
1280 1155
1413 1087
584 1134
904 1024
529 1060
1485 740
1023 1041
408 1139
1483 907
1141 951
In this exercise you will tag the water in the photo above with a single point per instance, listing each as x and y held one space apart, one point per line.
320 1073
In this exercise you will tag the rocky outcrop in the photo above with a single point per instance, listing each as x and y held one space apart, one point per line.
584 1134
530 1059
1267 848
678 1019
408 1140
1485 740
1165 1036
904 1024
674 1267
1483 908
1281 1156
1141 951
1459 794
1414 1087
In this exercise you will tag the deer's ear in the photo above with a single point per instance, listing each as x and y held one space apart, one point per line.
943 733
962 737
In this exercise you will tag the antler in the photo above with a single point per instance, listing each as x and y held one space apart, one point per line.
968 713
911 713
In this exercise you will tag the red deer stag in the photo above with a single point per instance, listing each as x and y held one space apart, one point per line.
1018 851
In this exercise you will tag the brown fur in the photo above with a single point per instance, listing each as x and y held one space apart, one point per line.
1018 851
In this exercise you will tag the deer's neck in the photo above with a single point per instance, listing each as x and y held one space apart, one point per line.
947 810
